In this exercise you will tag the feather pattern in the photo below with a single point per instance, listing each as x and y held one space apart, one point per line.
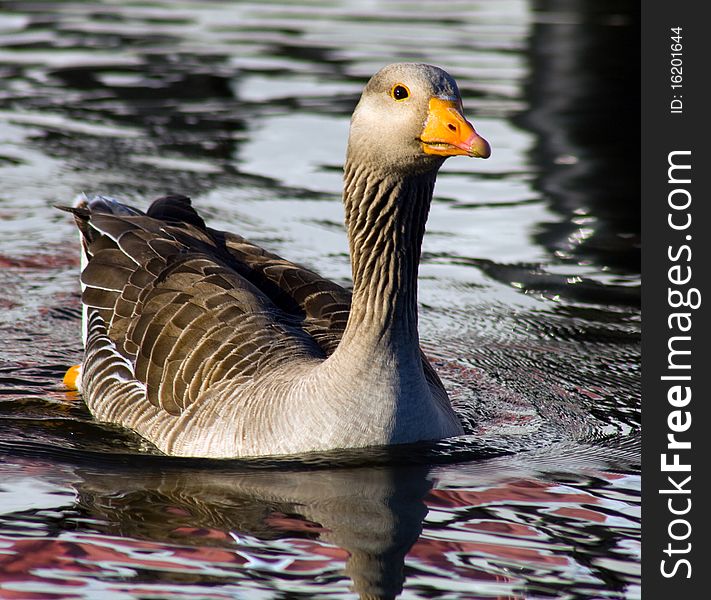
172 297
184 316
209 345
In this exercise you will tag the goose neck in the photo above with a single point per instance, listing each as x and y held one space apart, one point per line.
385 218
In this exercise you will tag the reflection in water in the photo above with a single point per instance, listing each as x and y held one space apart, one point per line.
583 104
501 527
373 514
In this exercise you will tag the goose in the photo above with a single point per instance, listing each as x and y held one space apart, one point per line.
208 345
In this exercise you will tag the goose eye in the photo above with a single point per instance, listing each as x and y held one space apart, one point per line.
400 92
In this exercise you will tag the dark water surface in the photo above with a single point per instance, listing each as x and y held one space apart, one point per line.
529 291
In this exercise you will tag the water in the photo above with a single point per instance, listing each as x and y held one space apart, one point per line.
529 293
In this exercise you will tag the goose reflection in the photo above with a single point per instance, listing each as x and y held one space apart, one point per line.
373 514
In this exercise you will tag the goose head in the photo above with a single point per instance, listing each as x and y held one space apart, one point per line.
409 120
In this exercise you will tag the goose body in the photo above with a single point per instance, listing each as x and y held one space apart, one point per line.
208 345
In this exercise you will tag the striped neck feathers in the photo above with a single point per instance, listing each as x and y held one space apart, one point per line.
385 218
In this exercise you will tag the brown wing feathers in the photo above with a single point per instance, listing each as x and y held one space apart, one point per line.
181 305
322 304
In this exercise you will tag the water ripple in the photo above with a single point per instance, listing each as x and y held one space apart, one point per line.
529 303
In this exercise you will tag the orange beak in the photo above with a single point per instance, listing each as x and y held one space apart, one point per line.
448 133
